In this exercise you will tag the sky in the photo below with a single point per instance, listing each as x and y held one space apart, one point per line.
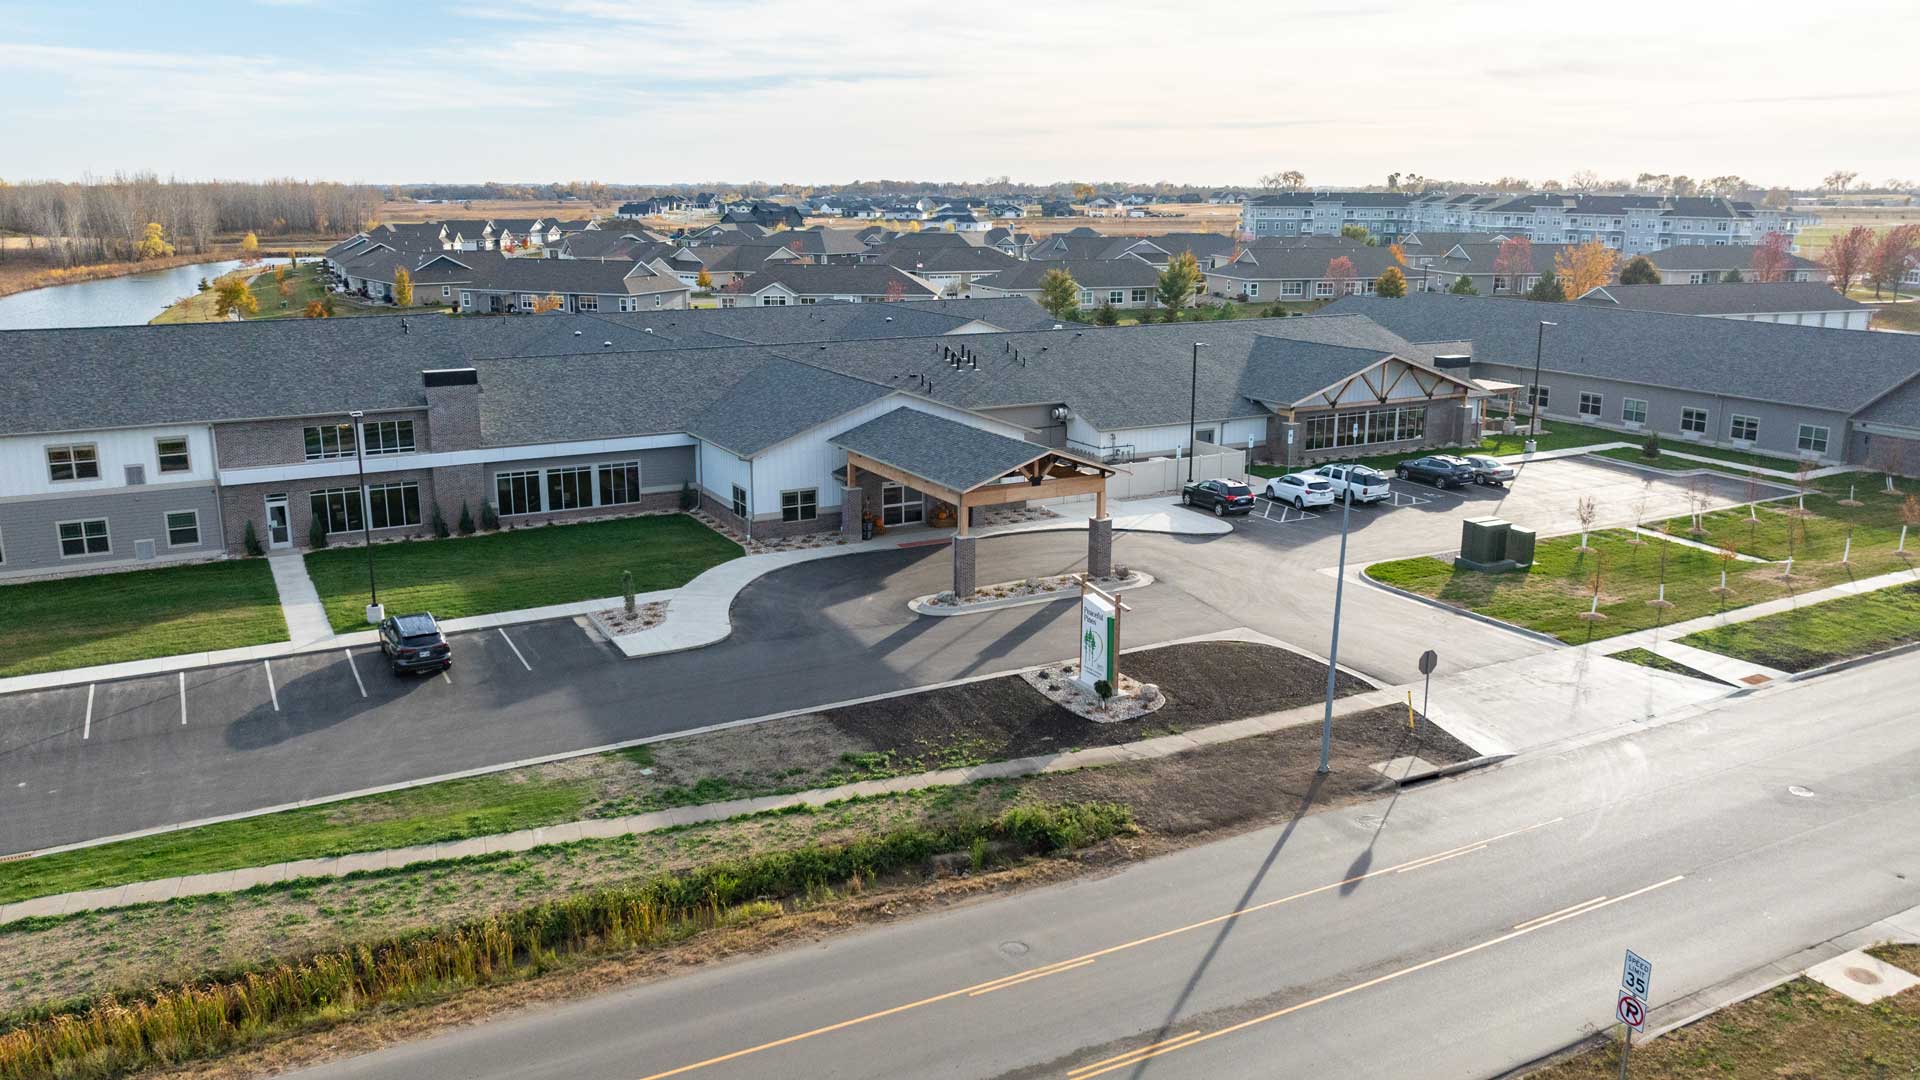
812 92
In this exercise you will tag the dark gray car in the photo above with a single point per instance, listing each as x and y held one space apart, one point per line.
414 643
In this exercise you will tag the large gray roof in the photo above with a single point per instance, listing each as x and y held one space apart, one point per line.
1900 408
1718 257
776 401
526 400
1087 273
1743 298
949 453
1839 370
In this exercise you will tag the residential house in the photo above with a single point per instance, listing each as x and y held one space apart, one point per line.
1800 303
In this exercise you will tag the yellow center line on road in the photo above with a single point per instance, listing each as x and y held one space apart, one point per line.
1087 958
1136 1052
1424 863
1030 976
1563 911
1537 924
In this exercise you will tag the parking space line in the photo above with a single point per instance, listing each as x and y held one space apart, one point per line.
356 672
272 691
447 677
86 729
516 651
183 699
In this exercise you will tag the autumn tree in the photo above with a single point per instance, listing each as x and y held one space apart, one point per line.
1399 254
402 287
249 248
1290 179
1891 256
1463 286
1178 282
153 243
1732 277
317 310
1083 192
232 295
703 281
1059 293
1848 255
1351 231
549 302
1391 283
896 291
1340 271
1548 289
1585 268
1770 258
1639 271
1514 260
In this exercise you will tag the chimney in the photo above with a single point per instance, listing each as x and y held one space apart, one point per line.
453 408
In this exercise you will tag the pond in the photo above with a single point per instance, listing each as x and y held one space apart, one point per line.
120 301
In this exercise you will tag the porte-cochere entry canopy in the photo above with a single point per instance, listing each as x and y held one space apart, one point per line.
971 467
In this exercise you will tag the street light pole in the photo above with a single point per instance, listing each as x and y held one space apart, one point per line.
1533 395
1193 406
1333 650
366 515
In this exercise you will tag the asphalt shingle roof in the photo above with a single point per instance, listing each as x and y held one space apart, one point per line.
776 401
1741 298
951 454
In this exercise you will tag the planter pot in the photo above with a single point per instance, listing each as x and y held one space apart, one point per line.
375 613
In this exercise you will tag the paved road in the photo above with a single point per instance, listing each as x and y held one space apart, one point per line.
86 762
1452 931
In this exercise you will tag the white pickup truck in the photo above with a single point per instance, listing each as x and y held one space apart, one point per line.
1361 483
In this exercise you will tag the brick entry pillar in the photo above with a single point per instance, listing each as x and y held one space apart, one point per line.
1100 547
1290 450
852 509
963 565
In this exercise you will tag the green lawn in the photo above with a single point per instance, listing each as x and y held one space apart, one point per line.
453 810
1823 633
1677 464
108 618
522 568
303 287
1551 596
1905 316
1649 658
1559 435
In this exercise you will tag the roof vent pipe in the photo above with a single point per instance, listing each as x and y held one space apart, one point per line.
576 333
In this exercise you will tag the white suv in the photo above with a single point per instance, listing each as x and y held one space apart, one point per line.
1301 490
1361 483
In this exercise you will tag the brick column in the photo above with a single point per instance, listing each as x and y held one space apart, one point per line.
1100 547
963 564
1290 451
852 508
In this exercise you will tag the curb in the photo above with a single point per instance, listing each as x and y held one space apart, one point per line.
1843 665
924 605
1545 639
1455 769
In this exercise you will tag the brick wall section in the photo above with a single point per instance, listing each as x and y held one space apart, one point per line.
1100 547
240 503
963 565
453 414
284 442
649 503
852 500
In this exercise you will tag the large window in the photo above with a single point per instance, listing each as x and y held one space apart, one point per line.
586 302
393 506
1366 427
79 461
183 528
172 452
800 505
517 492
1139 296
337 509
1693 420
620 483
1813 439
1590 405
331 441
1538 396
1116 296
1744 427
1633 410
570 488
84 538
388 436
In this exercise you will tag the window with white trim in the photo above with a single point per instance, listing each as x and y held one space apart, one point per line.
1323 288
1086 297
1812 439
73 461
394 506
570 488
517 492
329 441
586 302
1744 427
1253 289
1538 396
1139 296
1590 405
183 528
801 505
78 538
172 452
1633 410
1293 288
337 509
619 483
739 506
629 303
1693 420
388 436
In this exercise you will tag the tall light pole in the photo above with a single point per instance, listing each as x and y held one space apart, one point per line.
1333 650
1533 393
1193 406
366 516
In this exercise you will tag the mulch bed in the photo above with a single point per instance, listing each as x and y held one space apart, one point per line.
1206 682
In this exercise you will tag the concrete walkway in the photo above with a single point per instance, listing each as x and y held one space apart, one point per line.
1648 639
299 601
226 881
1725 668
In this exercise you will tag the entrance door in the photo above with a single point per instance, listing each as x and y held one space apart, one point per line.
900 505
279 526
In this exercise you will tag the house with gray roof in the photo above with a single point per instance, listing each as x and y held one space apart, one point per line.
1127 283
1799 303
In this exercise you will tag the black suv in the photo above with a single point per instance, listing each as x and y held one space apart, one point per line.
1440 470
1223 497
415 643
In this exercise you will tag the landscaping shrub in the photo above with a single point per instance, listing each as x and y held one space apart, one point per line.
488 519
687 498
439 523
250 540
1651 448
317 534
466 519
170 1025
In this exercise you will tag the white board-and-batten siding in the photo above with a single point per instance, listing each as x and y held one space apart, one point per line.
24 471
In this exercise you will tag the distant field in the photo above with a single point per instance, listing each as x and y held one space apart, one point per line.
403 211
1835 220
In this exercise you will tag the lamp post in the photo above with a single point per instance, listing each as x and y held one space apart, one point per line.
374 613
1193 406
1333 649
1533 392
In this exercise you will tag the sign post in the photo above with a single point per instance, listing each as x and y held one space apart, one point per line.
1099 636
1630 1004
1428 661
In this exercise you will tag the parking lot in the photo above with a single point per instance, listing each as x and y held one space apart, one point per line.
1544 496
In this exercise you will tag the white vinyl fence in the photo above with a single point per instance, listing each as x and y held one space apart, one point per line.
1167 475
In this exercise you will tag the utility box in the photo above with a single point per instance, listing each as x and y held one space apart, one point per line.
1520 546
1483 539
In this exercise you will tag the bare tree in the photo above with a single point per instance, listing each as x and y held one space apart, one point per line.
1585 511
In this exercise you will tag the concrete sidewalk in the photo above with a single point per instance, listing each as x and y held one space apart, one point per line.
1649 639
299 601
226 881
